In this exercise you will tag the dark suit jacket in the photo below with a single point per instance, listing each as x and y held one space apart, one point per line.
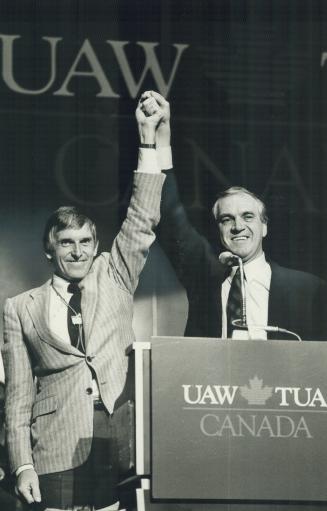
296 301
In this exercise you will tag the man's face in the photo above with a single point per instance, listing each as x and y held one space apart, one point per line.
73 252
240 226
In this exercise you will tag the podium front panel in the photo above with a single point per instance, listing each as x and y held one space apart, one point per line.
239 420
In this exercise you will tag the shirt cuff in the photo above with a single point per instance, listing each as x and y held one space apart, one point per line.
147 161
165 158
22 468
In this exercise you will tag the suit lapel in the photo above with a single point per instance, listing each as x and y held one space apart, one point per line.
38 308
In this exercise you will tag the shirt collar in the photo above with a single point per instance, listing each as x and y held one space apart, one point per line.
257 270
60 284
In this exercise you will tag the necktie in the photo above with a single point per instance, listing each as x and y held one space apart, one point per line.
74 318
234 302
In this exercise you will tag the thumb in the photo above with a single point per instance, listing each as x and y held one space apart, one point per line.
158 115
35 490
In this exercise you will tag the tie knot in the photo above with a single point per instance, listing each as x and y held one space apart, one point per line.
73 288
229 273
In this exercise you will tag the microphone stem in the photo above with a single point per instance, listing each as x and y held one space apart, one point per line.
243 292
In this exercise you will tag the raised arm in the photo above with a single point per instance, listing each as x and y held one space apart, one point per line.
189 252
131 246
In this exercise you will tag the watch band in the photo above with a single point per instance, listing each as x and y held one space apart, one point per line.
147 146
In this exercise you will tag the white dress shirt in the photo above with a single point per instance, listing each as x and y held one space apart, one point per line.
59 298
154 160
257 285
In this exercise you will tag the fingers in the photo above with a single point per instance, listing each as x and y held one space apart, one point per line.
159 98
150 119
145 95
28 486
142 99
158 115
149 106
140 116
151 102
35 488
25 492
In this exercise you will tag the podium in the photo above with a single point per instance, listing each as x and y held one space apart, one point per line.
230 425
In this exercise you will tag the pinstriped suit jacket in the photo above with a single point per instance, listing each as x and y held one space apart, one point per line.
52 426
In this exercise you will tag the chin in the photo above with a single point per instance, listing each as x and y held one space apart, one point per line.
75 276
238 253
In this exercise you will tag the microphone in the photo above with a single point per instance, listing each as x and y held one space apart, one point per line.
230 259
268 328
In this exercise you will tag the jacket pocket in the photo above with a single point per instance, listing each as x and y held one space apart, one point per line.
44 406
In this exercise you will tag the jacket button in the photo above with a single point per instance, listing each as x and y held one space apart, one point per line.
89 359
89 390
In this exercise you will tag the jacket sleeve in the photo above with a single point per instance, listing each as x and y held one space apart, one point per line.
131 246
20 389
190 253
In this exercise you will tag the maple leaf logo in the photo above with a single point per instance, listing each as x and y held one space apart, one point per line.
256 394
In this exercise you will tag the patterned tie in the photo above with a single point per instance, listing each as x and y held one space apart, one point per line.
234 302
74 324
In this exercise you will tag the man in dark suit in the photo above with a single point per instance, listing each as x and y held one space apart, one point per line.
64 349
275 296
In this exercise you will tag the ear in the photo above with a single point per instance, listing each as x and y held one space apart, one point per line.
48 256
96 249
264 230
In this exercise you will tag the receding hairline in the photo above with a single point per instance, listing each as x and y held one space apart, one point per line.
239 190
65 217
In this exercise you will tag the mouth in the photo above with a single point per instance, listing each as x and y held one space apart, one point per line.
77 262
240 238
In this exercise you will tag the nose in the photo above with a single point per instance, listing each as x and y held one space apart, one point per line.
76 251
238 224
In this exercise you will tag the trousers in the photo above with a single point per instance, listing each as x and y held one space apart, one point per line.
92 485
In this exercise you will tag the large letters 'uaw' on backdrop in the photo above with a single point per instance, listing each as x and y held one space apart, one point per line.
241 420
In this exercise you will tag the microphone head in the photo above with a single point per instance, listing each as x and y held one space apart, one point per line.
228 258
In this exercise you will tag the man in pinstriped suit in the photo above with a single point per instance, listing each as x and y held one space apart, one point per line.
60 397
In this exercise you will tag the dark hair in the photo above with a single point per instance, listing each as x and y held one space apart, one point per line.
65 217
239 189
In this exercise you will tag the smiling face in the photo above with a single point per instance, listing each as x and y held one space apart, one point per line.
240 225
73 251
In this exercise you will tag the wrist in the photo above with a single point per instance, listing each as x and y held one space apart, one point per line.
164 157
22 468
163 138
163 142
147 136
